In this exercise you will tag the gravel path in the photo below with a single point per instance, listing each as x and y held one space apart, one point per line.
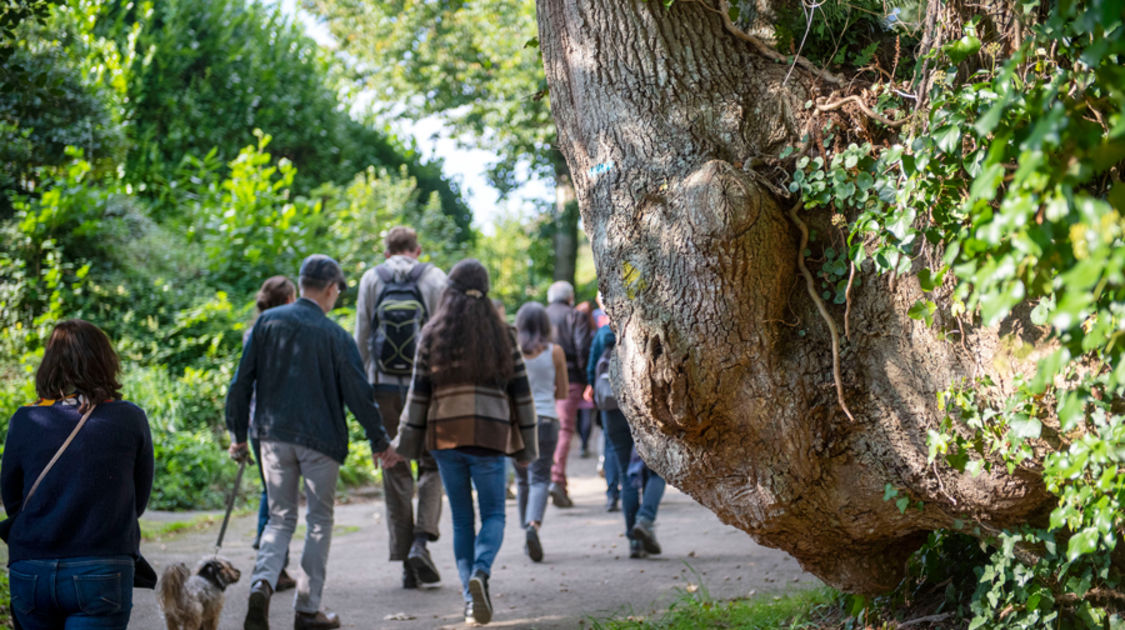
586 572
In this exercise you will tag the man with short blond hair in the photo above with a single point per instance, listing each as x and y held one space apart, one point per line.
395 299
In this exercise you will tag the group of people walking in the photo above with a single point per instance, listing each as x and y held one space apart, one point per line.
434 374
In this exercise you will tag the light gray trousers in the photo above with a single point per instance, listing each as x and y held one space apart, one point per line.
284 465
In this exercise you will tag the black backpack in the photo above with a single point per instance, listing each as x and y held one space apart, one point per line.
604 397
400 313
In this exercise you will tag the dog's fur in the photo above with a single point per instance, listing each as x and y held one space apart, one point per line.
194 602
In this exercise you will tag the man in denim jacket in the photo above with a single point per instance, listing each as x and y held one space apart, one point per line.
305 368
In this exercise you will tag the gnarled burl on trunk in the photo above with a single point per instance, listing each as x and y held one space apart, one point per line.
724 364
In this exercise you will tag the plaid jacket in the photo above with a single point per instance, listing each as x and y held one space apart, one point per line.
468 415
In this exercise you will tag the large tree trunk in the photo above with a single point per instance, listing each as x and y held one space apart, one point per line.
566 226
724 365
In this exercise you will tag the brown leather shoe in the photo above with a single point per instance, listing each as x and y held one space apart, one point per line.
316 621
285 582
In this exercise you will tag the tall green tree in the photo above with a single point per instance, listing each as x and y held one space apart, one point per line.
477 67
206 75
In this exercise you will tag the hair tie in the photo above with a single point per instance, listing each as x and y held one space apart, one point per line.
473 293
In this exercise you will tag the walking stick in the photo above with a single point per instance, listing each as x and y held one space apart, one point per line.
230 503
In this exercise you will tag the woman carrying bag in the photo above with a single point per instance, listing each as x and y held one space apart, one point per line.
76 475
470 406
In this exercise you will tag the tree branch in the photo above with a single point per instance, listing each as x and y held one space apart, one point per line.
866 110
765 50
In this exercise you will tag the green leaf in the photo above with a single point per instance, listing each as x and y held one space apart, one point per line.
948 138
1026 427
1082 543
923 310
963 48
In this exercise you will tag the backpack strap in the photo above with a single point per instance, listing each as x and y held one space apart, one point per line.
385 274
417 271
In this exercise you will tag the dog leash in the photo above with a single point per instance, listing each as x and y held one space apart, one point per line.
230 504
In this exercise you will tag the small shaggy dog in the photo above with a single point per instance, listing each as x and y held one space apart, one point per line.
193 602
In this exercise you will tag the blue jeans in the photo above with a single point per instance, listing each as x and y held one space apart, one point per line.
263 504
73 593
621 442
474 550
609 465
534 480
649 484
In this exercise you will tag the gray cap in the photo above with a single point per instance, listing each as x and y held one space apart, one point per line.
323 268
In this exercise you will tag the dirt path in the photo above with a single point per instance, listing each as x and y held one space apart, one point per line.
586 571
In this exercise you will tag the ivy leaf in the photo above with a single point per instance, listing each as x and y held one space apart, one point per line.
1026 427
923 309
948 138
1084 542
961 49
1041 314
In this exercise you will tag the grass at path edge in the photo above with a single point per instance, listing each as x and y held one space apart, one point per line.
798 610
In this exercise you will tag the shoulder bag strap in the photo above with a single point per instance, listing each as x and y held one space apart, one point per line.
58 453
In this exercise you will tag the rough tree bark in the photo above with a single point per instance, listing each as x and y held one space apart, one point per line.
724 364
566 225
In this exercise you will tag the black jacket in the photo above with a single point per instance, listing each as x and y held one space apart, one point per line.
573 334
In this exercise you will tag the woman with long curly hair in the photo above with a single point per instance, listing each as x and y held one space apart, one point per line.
470 406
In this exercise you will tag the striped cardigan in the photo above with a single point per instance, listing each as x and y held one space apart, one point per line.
468 415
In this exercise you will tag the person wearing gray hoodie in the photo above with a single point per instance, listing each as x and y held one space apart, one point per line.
389 290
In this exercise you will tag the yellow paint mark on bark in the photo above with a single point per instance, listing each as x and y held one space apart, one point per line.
634 283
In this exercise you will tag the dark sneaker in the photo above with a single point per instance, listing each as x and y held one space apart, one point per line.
559 496
533 548
409 579
285 582
636 549
643 532
419 560
258 614
611 504
319 620
481 603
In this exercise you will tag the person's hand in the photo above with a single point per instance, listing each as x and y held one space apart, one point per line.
389 457
588 393
239 452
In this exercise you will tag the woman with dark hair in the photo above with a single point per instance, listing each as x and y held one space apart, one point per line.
470 405
275 291
74 535
546 373
586 409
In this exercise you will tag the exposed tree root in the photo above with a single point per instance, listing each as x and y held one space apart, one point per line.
810 284
866 110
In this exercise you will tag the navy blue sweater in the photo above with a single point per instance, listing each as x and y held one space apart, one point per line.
88 503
